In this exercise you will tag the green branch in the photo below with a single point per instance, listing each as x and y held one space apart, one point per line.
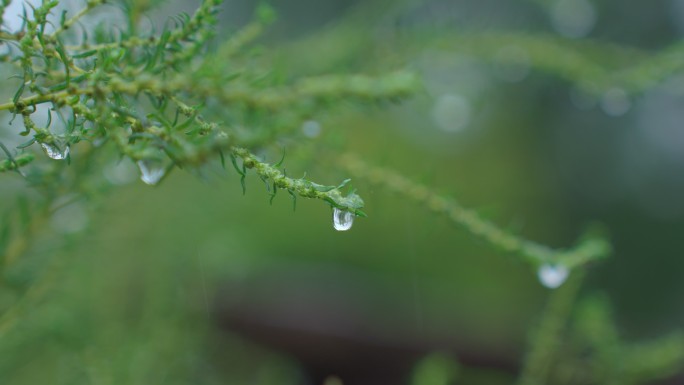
546 337
16 162
302 187
589 249
68 23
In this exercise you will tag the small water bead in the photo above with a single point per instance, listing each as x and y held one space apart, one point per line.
451 112
311 129
120 173
342 220
615 102
151 170
573 18
552 276
54 152
70 219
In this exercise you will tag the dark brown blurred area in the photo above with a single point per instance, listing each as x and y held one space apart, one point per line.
339 322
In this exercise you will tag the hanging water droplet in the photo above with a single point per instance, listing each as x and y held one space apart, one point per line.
451 112
573 18
54 152
151 170
552 276
342 220
120 173
70 219
311 129
615 102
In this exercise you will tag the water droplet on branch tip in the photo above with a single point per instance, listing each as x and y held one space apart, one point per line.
615 102
552 276
311 129
342 219
54 152
151 171
70 219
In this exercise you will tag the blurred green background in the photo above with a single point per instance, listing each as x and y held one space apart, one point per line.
192 282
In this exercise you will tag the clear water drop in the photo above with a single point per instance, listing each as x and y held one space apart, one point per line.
573 18
54 152
120 173
552 276
151 170
342 220
311 129
70 219
451 112
615 102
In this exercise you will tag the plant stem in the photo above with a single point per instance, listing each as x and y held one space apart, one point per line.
534 253
546 339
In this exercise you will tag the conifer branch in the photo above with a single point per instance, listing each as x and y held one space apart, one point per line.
587 250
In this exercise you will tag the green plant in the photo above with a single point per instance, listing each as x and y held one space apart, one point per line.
146 94
168 100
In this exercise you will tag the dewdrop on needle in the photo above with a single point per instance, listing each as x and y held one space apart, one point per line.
151 171
55 152
342 219
552 276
